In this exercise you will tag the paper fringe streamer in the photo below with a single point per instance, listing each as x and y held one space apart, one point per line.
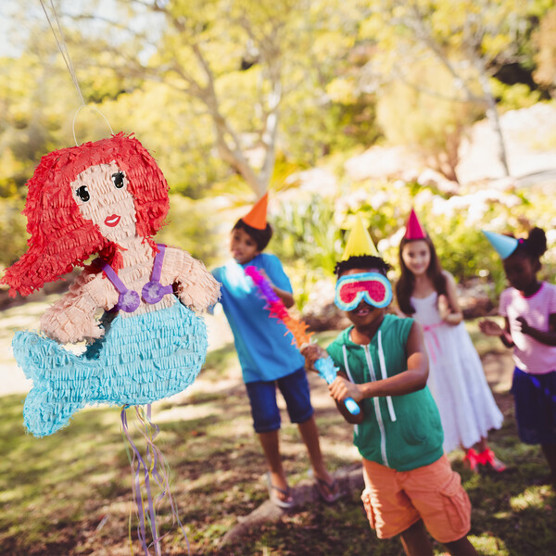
278 310
324 366
148 471
140 359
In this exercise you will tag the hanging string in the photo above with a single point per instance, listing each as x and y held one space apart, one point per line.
62 47
149 470
96 110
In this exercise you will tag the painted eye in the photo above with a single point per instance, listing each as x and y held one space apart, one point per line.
83 193
118 179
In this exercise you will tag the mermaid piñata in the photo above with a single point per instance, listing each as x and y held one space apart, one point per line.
107 198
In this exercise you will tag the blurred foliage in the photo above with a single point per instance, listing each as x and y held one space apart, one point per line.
433 125
544 43
336 77
306 240
13 235
514 97
188 228
311 234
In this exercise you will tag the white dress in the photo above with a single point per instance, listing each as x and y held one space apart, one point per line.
456 378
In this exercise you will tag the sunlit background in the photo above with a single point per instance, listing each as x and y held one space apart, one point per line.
336 108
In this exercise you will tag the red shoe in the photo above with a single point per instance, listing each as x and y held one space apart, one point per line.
487 457
472 460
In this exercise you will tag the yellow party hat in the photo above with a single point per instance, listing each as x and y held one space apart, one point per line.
359 242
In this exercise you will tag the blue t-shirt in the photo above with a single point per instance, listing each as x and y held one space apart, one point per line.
264 346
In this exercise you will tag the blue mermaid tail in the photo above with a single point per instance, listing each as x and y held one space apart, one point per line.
139 360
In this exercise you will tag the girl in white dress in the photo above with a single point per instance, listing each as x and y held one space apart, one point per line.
457 381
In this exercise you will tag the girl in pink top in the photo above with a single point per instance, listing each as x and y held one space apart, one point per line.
529 310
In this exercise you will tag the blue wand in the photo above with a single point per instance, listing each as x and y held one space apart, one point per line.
327 370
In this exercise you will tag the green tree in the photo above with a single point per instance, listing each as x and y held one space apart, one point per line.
235 63
544 40
470 39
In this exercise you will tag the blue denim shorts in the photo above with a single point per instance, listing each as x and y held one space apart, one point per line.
535 406
264 408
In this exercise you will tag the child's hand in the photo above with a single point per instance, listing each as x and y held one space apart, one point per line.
523 325
263 273
444 307
490 328
342 388
312 352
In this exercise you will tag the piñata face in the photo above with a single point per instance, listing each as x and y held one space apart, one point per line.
371 287
102 195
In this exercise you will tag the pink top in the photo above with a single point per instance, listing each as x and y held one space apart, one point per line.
529 354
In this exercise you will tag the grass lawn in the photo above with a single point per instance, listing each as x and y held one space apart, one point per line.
70 493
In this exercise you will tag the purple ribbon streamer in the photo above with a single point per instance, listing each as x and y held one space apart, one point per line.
262 283
153 457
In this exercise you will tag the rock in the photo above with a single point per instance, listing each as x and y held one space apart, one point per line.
349 479
381 162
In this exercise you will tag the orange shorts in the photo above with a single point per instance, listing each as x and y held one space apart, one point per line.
395 500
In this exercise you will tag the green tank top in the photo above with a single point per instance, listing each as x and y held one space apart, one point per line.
401 432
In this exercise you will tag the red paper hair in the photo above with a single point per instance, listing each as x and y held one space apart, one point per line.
60 238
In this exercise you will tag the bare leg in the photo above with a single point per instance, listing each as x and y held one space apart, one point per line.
549 451
462 547
310 436
271 447
415 541
482 445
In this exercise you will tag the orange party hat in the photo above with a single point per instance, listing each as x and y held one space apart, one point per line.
256 218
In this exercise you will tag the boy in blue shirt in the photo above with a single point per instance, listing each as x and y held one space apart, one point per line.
267 355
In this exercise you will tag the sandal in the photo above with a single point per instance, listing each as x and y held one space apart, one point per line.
472 460
329 492
274 492
487 457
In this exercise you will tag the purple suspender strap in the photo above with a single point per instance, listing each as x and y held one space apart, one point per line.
128 300
152 291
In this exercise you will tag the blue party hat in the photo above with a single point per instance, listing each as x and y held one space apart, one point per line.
504 245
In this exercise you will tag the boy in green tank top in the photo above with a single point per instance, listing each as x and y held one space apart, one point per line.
383 366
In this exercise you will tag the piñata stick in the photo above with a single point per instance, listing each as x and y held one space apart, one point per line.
324 366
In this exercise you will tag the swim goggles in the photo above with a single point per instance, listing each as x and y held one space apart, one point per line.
372 287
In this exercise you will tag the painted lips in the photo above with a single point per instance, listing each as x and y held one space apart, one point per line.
112 220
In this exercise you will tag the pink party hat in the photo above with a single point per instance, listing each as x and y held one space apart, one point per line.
504 245
413 229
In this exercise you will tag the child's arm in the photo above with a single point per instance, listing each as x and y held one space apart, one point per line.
411 380
349 417
491 328
448 305
546 337
285 296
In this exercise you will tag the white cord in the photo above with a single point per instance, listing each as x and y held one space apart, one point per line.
62 47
